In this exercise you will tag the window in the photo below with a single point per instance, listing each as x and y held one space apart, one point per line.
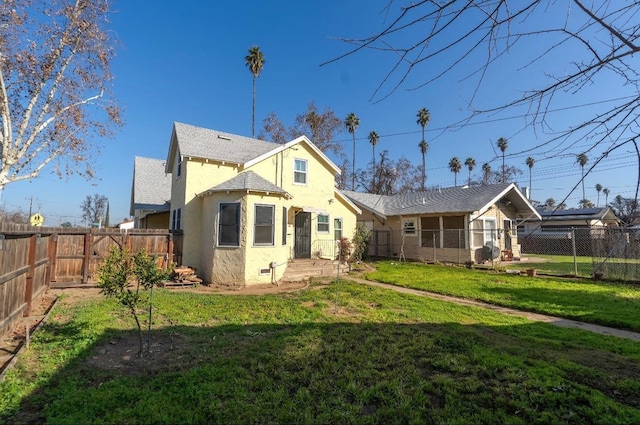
229 224
179 165
484 232
337 229
300 171
264 225
284 225
323 223
409 227
430 231
175 219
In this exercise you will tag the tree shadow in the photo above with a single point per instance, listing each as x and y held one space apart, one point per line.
339 372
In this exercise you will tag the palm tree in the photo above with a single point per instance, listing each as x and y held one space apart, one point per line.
373 139
423 119
598 189
606 196
503 145
352 122
530 161
470 163
255 62
582 160
455 166
486 172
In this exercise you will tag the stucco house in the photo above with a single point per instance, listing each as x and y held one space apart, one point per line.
247 207
150 194
455 225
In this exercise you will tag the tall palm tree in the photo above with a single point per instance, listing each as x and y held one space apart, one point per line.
373 139
455 166
470 163
423 119
582 161
598 189
530 162
606 196
486 172
255 62
352 122
503 145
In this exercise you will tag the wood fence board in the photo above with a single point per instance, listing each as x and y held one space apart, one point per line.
33 257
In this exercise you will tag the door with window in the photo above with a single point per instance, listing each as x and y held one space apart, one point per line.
302 248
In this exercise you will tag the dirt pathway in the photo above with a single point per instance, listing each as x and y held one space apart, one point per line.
558 321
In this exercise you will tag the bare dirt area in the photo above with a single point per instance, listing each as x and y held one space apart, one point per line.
13 342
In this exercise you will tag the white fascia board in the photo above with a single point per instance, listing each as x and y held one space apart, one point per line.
348 201
292 143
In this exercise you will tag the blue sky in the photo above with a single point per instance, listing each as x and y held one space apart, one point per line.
186 63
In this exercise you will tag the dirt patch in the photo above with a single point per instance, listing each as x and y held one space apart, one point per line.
11 343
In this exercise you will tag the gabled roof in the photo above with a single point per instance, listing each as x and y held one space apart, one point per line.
473 199
296 141
203 143
151 187
198 142
604 214
246 182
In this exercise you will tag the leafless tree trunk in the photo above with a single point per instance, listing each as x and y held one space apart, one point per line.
54 76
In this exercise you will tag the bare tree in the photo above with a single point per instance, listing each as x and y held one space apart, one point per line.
320 126
475 41
94 209
54 85
389 177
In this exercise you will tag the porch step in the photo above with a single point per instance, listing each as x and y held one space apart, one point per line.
303 269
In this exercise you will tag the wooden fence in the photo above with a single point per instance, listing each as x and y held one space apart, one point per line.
33 259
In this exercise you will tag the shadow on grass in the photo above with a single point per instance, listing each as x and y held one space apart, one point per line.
340 372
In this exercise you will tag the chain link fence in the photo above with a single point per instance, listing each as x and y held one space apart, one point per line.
599 252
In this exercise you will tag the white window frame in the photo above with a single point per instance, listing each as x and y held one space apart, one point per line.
335 228
410 227
485 231
318 223
272 225
305 173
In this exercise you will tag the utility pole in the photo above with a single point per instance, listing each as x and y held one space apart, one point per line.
30 198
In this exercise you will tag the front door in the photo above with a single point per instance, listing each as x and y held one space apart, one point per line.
302 248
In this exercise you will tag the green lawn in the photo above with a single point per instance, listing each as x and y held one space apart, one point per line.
379 357
610 304
563 265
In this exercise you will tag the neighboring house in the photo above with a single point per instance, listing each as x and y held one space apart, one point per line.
126 224
561 220
247 207
456 225
150 194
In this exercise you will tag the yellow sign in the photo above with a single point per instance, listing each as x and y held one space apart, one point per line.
36 220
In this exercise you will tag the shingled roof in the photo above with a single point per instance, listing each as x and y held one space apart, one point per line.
151 187
246 182
198 142
440 200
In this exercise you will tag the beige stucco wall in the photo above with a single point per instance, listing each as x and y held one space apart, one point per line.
413 249
156 221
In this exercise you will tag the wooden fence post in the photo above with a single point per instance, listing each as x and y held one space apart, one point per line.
51 267
87 256
28 290
169 250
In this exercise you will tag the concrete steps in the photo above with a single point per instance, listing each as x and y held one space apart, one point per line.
304 268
